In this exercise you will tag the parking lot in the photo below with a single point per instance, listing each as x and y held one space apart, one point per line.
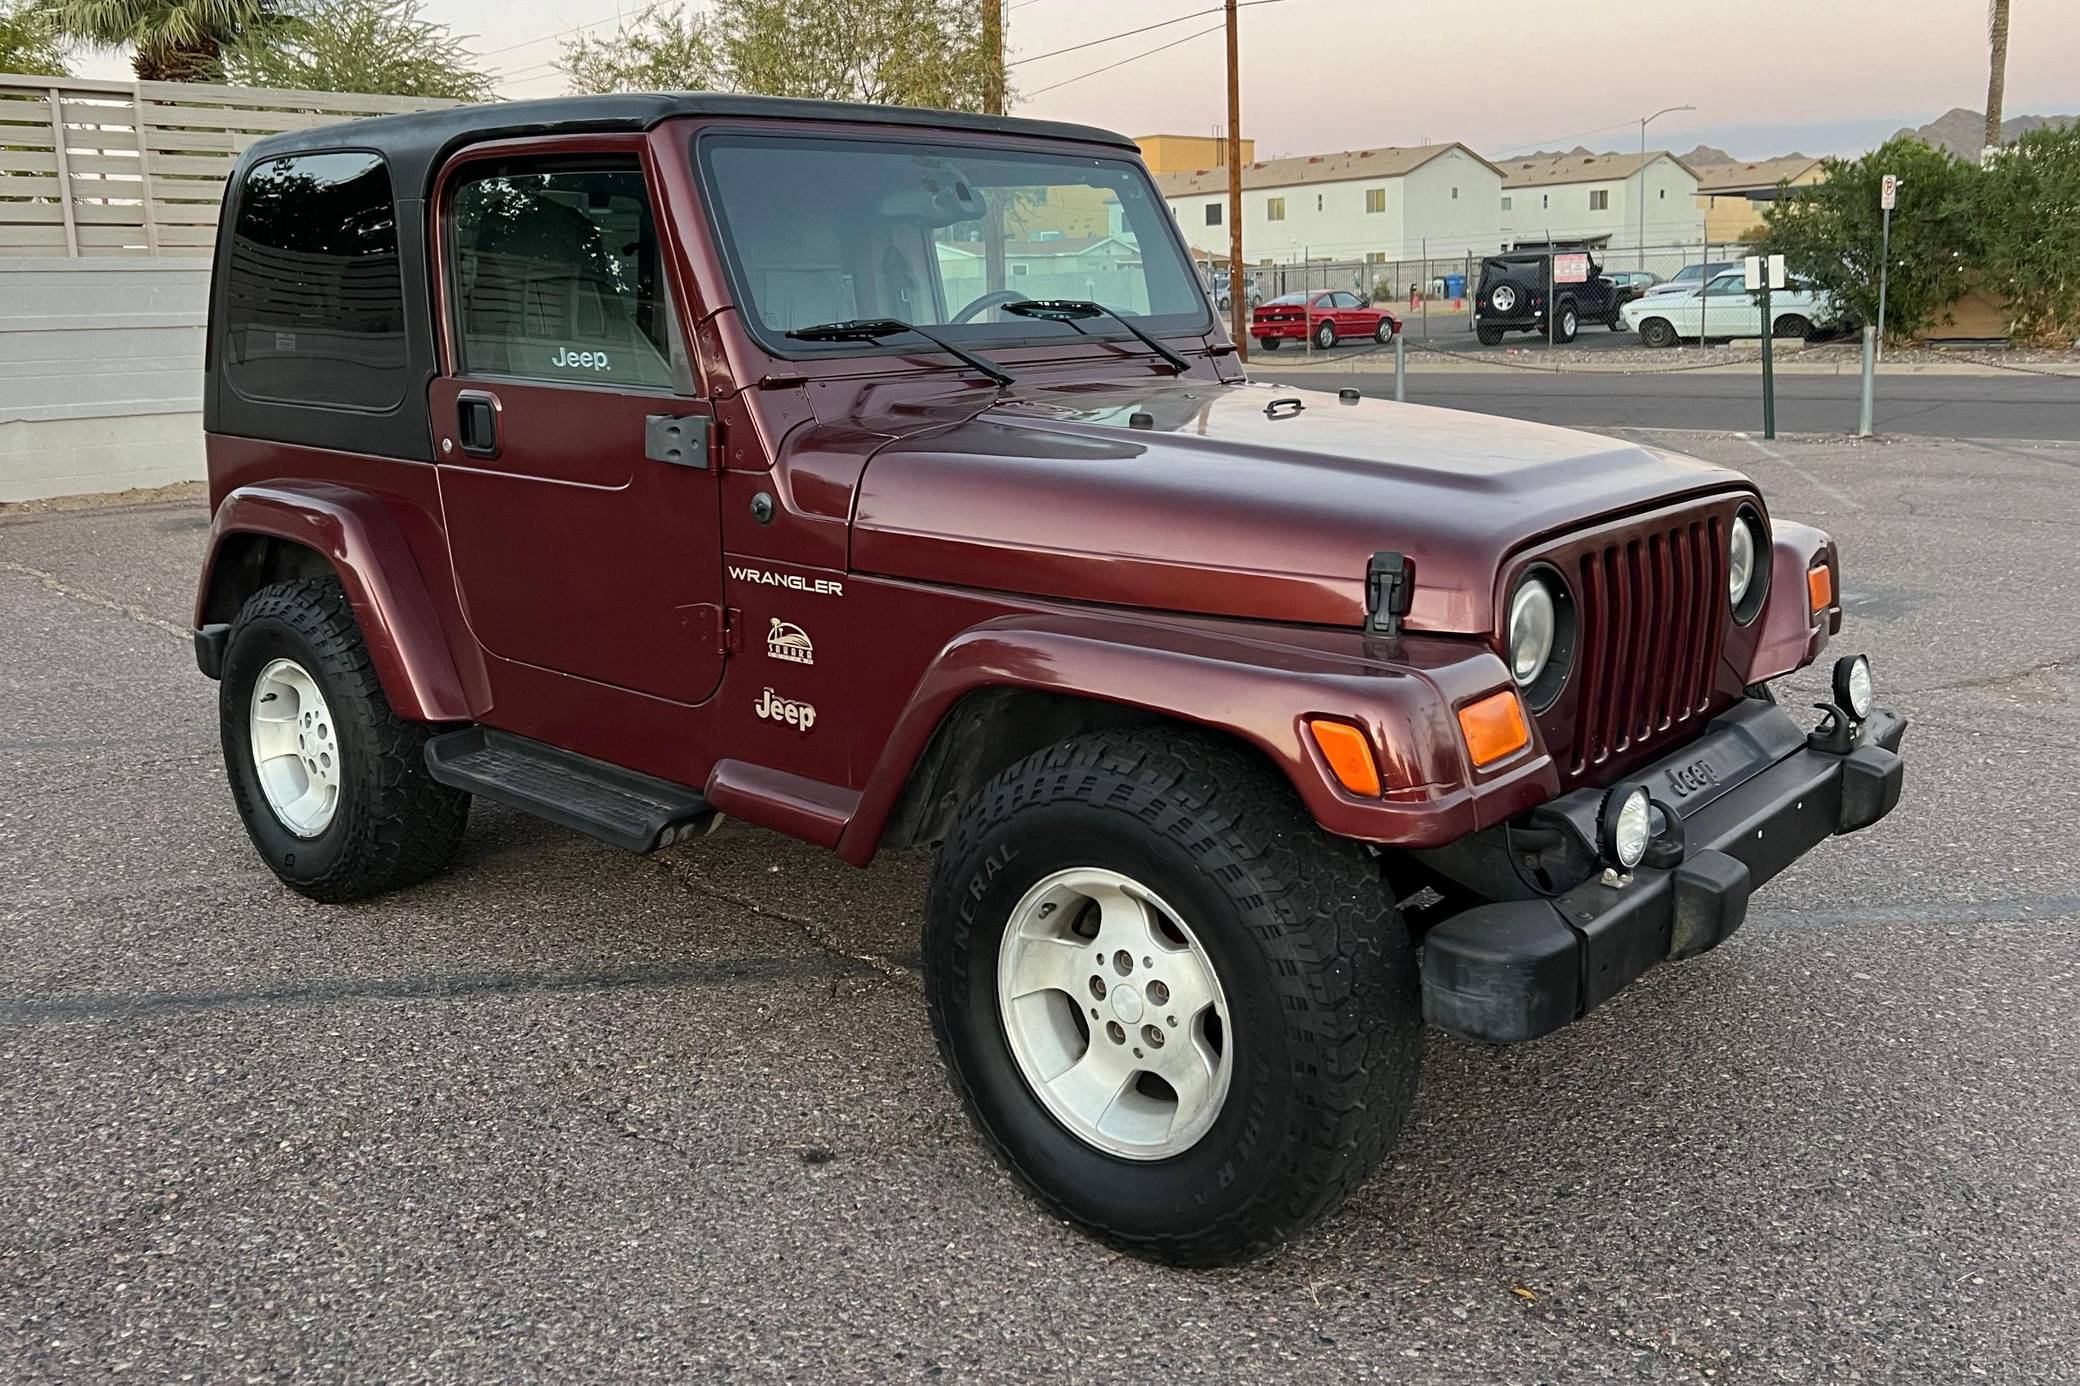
568 1114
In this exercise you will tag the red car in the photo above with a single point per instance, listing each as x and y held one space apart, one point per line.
1327 315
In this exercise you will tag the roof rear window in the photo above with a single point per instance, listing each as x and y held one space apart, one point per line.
314 295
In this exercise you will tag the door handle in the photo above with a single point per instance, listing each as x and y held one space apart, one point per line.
476 422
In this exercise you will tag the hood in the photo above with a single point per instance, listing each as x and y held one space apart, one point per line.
1189 496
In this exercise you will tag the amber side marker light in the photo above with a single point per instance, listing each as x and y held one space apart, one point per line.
1820 586
1349 755
1494 726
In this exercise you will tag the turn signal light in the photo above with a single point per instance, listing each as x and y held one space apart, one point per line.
1494 726
1349 755
1820 586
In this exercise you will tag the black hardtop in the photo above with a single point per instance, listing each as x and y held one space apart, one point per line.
414 144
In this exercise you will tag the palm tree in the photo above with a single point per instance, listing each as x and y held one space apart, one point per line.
1997 82
176 40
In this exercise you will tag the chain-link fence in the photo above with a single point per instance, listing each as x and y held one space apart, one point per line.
1534 297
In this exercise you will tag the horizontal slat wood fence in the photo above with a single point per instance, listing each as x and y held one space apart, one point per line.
138 168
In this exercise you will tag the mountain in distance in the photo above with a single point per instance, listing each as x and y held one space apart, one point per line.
1961 131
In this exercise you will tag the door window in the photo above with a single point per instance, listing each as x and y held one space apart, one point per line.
558 274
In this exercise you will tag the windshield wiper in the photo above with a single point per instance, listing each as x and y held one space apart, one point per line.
874 329
1077 309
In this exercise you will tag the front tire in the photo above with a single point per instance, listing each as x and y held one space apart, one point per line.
1174 885
1657 332
1384 333
331 783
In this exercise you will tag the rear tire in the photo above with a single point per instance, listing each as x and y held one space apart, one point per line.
1565 323
1656 332
1320 1020
1325 336
1268 343
344 808
1489 336
1792 325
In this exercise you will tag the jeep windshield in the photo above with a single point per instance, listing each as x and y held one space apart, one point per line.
827 230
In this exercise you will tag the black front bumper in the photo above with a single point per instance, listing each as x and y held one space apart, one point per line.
1749 797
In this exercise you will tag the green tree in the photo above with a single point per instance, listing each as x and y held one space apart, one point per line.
2029 216
378 46
1830 232
901 52
28 44
175 40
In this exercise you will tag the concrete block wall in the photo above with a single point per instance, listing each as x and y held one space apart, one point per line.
100 374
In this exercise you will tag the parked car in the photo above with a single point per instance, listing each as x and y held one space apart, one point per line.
1511 295
1725 309
1633 281
1324 316
635 460
1690 277
1253 292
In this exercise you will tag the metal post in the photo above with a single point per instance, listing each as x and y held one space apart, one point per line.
1769 379
1424 274
1237 316
1400 369
1884 270
144 167
1870 359
1704 282
65 206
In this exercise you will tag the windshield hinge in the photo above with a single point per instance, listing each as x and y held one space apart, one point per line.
1389 591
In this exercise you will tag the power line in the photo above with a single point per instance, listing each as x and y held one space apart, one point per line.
560 33
1149 53
1129 33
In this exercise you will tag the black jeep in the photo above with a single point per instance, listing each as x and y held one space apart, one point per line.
1515 288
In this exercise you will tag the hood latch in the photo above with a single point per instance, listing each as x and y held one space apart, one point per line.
1390 588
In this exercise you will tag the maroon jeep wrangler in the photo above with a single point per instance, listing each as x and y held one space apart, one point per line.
882 477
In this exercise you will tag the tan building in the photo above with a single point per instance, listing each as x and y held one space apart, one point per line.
1601 200
1733 196
1183 153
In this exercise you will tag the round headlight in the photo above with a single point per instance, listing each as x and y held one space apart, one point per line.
1852 685
1531 629
1740 560
1625 825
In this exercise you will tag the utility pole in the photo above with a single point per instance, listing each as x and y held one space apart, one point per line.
993 104
1997 78
1238 291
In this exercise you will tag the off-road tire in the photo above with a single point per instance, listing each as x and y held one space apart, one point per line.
1489 336
1657 332
394 824
1325 337
1325 1015
1566 322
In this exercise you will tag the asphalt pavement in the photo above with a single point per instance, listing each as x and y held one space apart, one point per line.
1992 404
568 1115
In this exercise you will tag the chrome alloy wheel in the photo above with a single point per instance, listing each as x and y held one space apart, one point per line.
1114 1014
295 747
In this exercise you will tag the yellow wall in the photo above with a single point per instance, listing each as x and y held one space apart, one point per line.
1731 216
1186 153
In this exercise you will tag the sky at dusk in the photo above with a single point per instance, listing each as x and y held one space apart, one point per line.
1766 76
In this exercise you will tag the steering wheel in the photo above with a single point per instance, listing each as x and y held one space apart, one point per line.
988 300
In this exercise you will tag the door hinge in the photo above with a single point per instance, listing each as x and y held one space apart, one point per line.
718 628
1389 591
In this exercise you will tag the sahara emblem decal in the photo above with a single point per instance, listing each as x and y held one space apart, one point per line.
793 582
778 709
790 642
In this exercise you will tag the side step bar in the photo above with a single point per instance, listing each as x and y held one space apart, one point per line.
620 807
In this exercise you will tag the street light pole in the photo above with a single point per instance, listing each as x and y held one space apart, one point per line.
1238 293
1640 249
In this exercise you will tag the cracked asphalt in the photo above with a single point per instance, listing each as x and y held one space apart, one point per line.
564 1114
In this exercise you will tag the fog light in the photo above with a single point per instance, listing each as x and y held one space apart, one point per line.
1852 685
1624 825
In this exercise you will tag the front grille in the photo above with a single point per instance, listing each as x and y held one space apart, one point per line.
1652 621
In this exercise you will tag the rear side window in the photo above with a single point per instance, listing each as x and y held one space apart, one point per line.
314 295
558 274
